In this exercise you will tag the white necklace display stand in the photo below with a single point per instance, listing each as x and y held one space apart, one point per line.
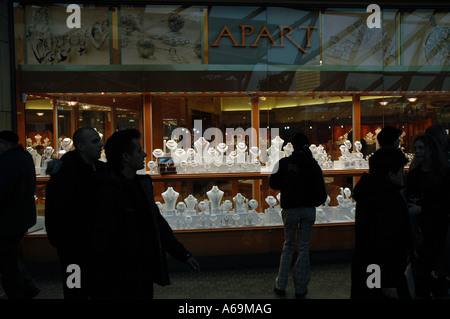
288 149
241 149
273 215
240 203
48 154
201 146
170 198
191 201
215 197
66 146
171 145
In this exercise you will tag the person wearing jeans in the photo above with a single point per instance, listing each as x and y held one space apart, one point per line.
292 219
302 187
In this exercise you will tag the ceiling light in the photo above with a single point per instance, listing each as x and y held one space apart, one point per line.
412 99
384 103
40 114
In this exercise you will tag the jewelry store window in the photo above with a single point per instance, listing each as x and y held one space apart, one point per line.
327 122
51 120
204 136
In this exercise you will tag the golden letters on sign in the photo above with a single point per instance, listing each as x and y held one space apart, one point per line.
247 30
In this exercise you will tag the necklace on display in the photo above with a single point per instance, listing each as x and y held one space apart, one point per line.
158 153
222 147
171 145
66 144
241 147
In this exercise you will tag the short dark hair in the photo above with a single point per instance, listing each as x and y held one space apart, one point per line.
387 160
120 142
300 141
9 136
388 135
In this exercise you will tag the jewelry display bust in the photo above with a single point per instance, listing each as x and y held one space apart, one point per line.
171 145
241 149
190 152
48 152
288 149
253 204
191 201
202 206
170 198
151 165
210 155
227 205
158 153
222 148
181 208
201 145
215 196
66 145
271 201
278 142
348 145
254 152
274 154
240 203
178 156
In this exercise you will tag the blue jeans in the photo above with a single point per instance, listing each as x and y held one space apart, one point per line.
292 219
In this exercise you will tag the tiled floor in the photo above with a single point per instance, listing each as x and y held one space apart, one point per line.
245 278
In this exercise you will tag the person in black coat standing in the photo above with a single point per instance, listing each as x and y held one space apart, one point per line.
17 214
382 229
69 205
302 185
130 236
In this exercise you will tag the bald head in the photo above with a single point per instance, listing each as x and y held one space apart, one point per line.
88 143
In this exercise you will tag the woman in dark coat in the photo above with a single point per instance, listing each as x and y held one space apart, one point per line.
382 229
428 185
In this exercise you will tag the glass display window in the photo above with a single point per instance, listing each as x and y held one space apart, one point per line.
411 113
325 119
39 128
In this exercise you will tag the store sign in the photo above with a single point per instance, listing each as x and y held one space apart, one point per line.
246 31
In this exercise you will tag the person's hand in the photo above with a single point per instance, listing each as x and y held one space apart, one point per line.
193 263
390 293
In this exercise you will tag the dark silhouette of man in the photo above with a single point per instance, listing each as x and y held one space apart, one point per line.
17 214
69 204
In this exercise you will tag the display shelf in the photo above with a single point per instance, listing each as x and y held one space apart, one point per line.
249 175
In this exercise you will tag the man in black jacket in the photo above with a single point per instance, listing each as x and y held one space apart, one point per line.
302 185
382 229
17 214
69 207
130 236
